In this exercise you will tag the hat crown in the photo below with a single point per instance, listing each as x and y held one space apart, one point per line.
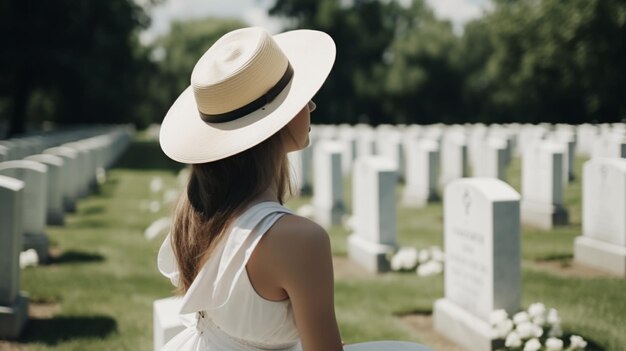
239 68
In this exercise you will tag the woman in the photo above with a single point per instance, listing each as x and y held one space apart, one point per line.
254 276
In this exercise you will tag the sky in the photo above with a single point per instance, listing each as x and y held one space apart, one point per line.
254 12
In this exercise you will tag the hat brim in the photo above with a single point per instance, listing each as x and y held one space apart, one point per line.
186 138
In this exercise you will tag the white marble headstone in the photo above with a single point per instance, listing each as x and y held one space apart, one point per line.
13 305
374 212
328 201
492 160
34 176
603 243
57 173
482 251
454 157
422 172
70 187
542 185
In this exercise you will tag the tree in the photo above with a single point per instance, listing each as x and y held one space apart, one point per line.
423 82
558 61
70 61
362 31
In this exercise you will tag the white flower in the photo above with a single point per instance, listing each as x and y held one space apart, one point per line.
405 258
553 317
161 225
156 184
29 258
170 196
532 345
521 317
525 330
537 309
155 206
513 340
424 256
437 254
429 268
577 342
504 328
498 316
555 331
539 321
537 331
554 344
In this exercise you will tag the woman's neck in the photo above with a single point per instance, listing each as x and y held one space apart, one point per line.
269 194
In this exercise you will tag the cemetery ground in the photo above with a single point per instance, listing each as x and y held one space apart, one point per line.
97 292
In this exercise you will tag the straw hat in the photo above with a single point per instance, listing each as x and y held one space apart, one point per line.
245 88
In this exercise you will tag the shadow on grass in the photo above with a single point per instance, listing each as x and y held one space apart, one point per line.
416 312
76 257
563 258
591 345
91 210
53 331
90 223
147 155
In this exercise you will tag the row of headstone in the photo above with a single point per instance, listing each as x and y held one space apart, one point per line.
36 191
19 147
428 157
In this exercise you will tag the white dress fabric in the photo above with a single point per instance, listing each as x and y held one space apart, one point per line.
221 310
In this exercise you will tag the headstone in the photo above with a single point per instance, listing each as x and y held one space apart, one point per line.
586 134
70 187
328 202
83 171
57 172
389 145
347 135
4 153
374 212
482 254
569 139
603 243
13 305
301 174
454 158
365 141
34 176
609 144
9 149
492 160
542 186
529 135
166 319
422 172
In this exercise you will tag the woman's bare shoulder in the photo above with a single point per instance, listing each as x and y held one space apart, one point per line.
294 233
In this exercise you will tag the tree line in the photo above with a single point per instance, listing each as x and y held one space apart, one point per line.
525 61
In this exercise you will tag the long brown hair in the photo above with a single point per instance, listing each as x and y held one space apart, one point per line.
218 191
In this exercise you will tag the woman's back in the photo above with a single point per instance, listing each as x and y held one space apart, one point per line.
228 312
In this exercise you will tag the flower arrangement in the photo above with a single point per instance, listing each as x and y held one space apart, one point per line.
536 329
425 262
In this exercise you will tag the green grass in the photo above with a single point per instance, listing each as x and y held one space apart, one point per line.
102 286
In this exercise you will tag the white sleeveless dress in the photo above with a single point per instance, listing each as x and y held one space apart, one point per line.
221 310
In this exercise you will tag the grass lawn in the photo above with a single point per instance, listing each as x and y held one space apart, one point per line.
97 294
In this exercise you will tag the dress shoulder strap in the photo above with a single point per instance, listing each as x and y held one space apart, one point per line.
215 282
